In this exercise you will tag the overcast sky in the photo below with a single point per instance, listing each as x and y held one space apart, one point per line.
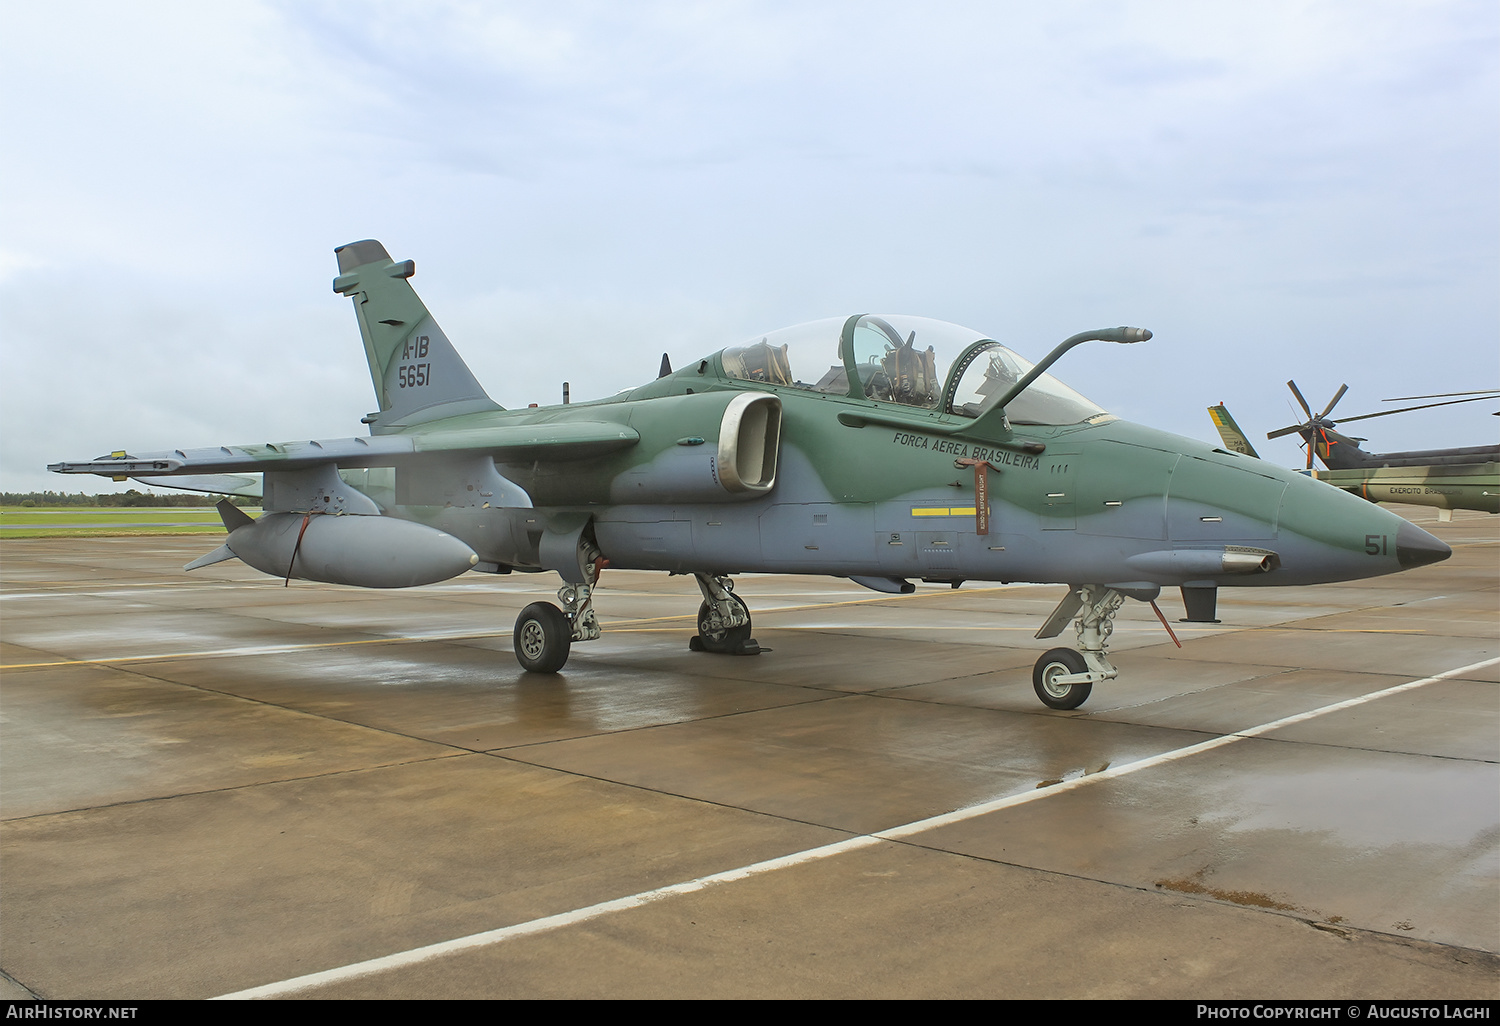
1306 190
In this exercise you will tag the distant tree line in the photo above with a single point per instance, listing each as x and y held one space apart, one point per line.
132 497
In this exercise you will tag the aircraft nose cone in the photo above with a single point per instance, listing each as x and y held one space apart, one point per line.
1415 547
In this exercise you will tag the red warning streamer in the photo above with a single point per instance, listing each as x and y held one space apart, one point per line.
1164 623
296 548
981 492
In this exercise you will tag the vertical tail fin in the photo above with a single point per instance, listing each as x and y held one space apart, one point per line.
417 374
1229 431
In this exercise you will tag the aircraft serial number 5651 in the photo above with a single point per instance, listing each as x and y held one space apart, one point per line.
414 376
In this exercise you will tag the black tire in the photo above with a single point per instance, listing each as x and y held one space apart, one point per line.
1058 662
543 638
723 641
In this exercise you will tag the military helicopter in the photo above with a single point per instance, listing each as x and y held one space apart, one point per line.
1449 479
880 469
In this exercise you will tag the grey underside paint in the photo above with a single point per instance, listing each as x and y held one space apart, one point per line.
824 537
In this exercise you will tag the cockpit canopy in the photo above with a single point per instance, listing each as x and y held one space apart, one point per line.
896 359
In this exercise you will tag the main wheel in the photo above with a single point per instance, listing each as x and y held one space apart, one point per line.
1059 662
723 641
543 638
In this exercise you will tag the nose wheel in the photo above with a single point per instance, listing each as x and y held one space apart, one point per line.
1047 679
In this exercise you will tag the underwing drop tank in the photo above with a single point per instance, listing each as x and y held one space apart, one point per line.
364 551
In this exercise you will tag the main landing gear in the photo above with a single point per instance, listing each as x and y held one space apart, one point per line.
544 634
723 619
1063 678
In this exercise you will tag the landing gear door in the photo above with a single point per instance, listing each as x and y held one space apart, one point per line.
567 546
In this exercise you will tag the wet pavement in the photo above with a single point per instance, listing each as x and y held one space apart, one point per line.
211 783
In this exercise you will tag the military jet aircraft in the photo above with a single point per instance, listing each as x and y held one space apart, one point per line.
756 459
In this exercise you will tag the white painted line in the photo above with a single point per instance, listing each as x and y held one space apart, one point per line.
580 915
479 940
1172 756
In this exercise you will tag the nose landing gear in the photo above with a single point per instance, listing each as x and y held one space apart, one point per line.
1063 678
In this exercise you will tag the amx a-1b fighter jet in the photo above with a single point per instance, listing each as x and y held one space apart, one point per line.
877 448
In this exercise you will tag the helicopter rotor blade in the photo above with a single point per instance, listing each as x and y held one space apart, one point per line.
1286 431
1334 401
1306 408
1440 395
1408 409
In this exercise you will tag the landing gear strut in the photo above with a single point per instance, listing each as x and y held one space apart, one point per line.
544 634
723 619
1063 678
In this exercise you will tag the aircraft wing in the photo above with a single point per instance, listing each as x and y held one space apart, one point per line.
568 440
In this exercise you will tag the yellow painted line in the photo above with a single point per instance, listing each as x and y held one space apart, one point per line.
942 511
250 650
819 605
1337 630
621 626
886 629
633 627
1144 628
